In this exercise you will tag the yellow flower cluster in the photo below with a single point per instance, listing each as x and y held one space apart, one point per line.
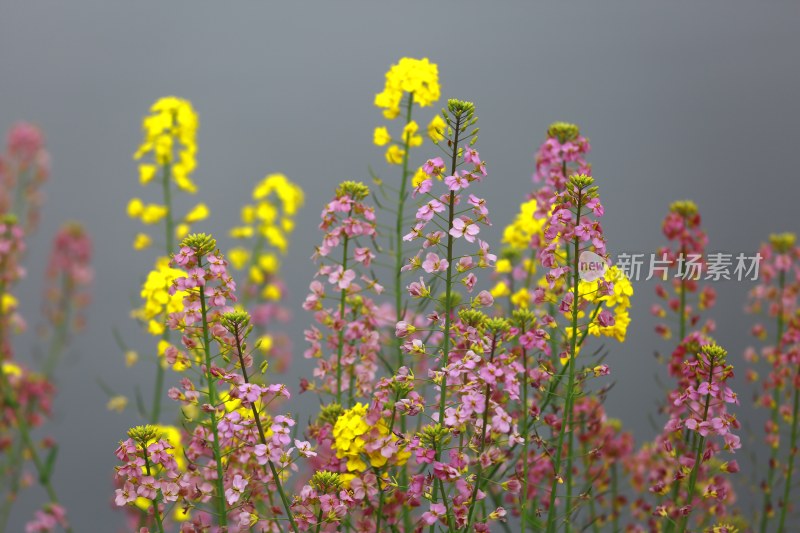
417 76
619 301
270 220
517 238
158 302
172 120
349 442
169 137
420 79
526 224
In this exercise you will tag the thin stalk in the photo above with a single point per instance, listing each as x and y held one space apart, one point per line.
447 302
398 290
614 496
262 435
340 343
487 392
212 399
169 245
157 499
773 456
792 454
523 495
567 418
701 444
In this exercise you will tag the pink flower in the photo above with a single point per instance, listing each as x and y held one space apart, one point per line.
234 492
433 263
433 167
437 511
364 256
464 227
427 211
456 182
342 278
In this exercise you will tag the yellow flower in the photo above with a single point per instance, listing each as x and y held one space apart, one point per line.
394 155
526 225
10 369
410 134
131 357
8 303
135 208
500 290
350 433
153 213
419 177
141 241
436 128
181 231
417 76
521 298
146 173
198 213
117 403
503 266
158 303
381 136
238 257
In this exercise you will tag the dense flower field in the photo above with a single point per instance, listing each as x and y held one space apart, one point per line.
461 382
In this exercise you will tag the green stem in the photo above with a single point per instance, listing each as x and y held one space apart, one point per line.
773 456
523 496
701 444
340 343
447 302
262 435
478 479
212 415
398 289
568 408
169 245
155 500
614 496
792 454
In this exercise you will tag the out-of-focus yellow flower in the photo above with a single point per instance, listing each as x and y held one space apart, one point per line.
394 155
10 369
500 289
146 173
436 128
141 241
172 122
417 76
198 213
135 208
419 177
131 358
117 403
153 213
381 136
238 257
8 303
527 223
410 134
158 303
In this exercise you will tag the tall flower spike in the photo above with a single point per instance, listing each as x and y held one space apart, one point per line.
168 152
351 327
683 264
776 297
262 238
24 168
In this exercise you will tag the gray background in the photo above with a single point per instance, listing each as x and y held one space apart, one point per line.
689 99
